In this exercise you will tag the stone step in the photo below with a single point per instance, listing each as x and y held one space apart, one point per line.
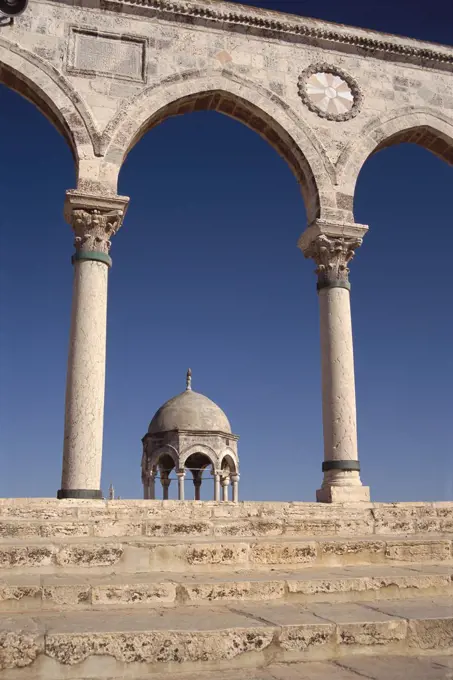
138 644
439 667
37 592
47 518
191 553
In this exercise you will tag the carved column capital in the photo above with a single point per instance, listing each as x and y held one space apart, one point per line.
94 229
332 255
94 219
332 247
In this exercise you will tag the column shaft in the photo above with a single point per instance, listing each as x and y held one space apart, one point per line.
338 390
94 220
165 486
332 247
217 487
225 485
181 478
84 410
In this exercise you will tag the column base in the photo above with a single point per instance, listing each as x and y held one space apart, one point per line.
343 494
80 493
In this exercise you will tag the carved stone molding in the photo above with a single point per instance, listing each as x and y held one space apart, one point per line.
266 22
332 255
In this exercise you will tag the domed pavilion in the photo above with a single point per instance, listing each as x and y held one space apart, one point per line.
190 434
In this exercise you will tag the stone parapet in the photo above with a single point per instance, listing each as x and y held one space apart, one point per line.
46 517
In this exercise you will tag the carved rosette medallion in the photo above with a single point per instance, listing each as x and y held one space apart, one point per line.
332 255
94 228
329 92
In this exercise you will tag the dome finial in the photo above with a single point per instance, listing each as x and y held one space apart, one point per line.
189 379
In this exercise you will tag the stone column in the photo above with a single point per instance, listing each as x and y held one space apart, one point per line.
165 481
181 477
225 485
94 220
332 247
152 487
217 486
235 480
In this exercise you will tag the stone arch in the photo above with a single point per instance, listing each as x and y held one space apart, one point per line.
198 448
230 458
252 104
38 81
423 127
166 450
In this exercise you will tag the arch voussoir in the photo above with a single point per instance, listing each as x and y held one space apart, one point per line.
259 109
39 82
424 127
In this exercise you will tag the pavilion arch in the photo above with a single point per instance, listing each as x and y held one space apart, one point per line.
229 459
166 450
198 448
423 127
40 83
251 104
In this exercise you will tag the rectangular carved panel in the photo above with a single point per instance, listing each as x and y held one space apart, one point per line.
106 54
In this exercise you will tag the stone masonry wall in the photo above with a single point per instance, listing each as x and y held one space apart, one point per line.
106 73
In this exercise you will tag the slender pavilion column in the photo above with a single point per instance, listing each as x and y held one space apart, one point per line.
151 487
332 247
225 485
94 220
197 480
181 477
165 481
217 486
235 480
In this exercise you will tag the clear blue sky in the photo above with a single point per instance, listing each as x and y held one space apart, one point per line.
206 274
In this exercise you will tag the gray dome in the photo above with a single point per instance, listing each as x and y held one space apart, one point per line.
190 411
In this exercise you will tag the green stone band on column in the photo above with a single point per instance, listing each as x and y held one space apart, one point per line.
95 255
335 283
79 493
349 465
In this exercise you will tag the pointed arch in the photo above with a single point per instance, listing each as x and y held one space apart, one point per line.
165 450
225 92
38 81
422 126
198 448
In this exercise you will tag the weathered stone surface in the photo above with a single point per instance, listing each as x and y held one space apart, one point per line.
240 590
12 595
302 638
418 551
283 553
431 634
217 554
19 530
252 528
177 529
20 642
22 556
115 528
88 555
370 634
66 595
351 551
158 647
139 593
